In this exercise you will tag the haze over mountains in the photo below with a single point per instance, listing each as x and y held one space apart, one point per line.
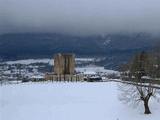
28 27
42 45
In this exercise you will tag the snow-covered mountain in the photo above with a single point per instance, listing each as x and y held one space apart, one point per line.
44 45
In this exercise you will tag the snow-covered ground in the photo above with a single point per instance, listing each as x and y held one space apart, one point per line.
95 69
29 61
68 101
45 60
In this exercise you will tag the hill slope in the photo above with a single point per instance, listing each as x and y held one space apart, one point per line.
40 45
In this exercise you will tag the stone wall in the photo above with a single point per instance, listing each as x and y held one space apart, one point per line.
67 77
64 64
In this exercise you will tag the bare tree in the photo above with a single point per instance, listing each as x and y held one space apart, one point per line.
134 94
141 73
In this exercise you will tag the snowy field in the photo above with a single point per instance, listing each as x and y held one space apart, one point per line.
45 60
95 69
68 101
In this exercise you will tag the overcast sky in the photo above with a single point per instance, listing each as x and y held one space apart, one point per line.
79 16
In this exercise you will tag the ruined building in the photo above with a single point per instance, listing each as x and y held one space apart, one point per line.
64 64
64 69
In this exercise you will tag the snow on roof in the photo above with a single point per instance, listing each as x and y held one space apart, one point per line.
89 73
37 76
146 77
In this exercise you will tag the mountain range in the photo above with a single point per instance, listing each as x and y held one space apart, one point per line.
114 47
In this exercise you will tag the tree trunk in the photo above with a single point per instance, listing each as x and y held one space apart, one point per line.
147 110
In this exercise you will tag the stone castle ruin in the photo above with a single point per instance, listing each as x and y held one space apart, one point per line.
64 69
64 64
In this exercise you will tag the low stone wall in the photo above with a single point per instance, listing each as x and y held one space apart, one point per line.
54 77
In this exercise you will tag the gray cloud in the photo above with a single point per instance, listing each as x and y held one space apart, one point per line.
79 16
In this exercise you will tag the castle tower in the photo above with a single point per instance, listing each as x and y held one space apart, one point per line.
64 64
